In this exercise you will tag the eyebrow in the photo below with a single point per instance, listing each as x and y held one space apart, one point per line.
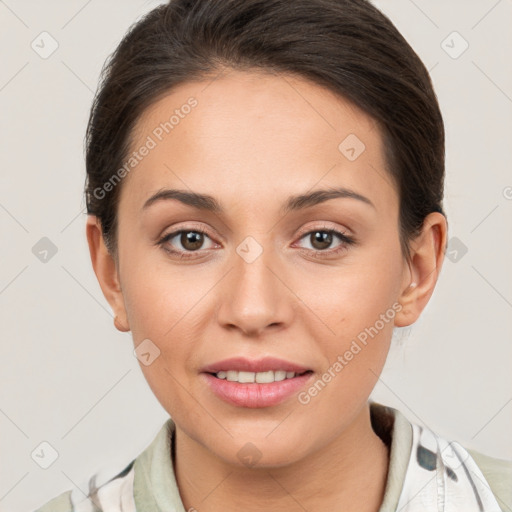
293 203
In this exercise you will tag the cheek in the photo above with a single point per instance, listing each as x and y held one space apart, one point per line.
164 314
351 298
166 305
160 297
358 310
354 317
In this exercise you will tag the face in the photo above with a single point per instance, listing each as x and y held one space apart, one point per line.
313 281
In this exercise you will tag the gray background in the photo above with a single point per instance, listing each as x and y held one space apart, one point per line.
70 379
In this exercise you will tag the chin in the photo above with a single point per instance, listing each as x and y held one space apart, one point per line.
254 450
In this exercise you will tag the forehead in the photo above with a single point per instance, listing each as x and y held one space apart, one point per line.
258 134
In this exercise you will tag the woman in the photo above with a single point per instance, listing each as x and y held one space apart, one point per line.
265 184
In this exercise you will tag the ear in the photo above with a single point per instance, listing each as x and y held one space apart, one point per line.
105 268
423 268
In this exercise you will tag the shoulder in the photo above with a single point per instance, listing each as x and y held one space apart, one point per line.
61 503
64 503
103 491
490 475
498 473
125 486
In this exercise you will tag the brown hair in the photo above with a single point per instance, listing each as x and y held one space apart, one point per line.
347 46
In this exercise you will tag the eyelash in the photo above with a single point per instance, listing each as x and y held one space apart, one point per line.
317 253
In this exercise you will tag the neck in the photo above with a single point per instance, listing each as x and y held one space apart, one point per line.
349 473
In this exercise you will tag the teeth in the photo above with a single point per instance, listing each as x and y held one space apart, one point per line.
279 375
259 377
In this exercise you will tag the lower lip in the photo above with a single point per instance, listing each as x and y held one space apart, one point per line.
256 395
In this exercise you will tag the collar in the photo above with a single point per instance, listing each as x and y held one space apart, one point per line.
155 482
426 473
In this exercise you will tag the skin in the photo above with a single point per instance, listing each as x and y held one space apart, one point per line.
253 140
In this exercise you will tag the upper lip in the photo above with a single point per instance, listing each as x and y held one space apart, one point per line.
254 365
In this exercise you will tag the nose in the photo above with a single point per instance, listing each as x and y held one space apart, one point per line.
255 297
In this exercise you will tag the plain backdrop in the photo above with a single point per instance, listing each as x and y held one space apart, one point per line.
70 379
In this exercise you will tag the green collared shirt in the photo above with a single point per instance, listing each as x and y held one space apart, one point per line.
155 488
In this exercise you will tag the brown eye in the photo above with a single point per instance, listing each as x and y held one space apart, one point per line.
322 242
321 239
186 242
191 240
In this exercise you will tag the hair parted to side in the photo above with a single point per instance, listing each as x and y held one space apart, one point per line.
347 46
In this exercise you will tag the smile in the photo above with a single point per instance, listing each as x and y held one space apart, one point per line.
258 377
241 389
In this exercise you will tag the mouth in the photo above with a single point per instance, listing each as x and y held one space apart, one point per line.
267 377
252 390
250 383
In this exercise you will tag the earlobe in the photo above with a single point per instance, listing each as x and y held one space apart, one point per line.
105 268
120 326
423 268
407 314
